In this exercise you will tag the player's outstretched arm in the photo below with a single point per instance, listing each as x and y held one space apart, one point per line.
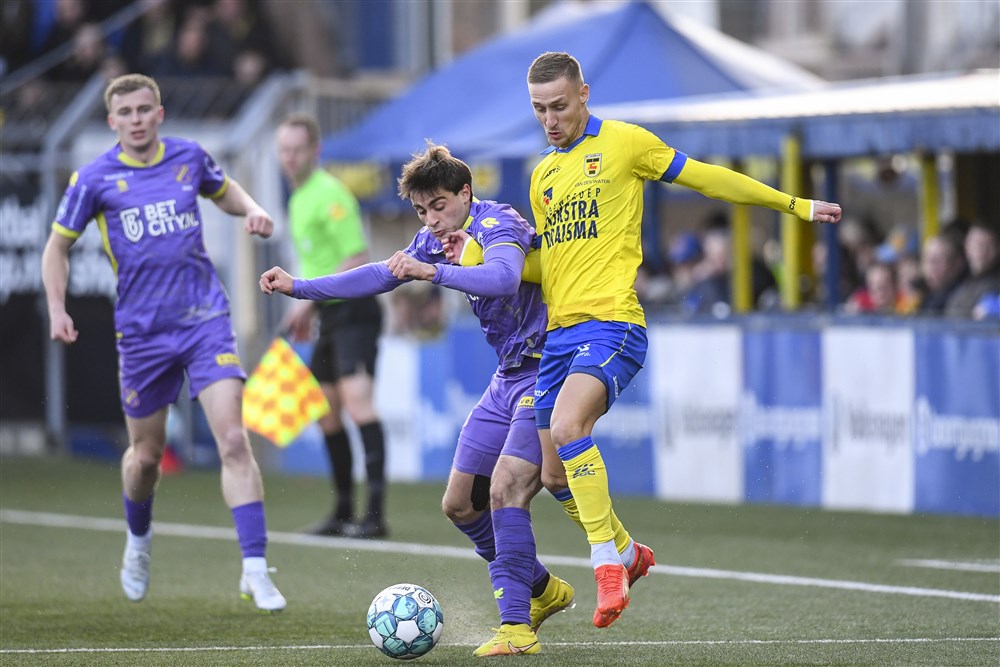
736 188
55 277
368 280
237 201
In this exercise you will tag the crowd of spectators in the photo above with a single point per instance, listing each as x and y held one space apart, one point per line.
224 39
954 273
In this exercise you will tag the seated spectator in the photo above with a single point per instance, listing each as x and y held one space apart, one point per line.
191 56
70 16
982 252
87 58
860 236
942 268
685 255
901 249
150 38
848 280
239 36
879 295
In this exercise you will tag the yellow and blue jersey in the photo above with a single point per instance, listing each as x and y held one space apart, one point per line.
587 202
151 225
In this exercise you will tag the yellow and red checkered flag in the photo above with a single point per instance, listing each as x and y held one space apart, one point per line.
282 397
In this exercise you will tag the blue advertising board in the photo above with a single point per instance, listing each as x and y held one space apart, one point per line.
956 423
780 417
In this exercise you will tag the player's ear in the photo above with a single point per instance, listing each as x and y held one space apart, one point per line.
584 93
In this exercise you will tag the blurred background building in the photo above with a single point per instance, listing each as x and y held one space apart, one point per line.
230 69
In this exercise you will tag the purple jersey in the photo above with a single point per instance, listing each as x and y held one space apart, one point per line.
514 325
149 219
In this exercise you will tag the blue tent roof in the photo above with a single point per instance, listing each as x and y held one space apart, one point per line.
478 104
959 112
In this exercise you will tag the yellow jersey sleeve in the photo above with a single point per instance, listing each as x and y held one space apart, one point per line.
736 188
473 255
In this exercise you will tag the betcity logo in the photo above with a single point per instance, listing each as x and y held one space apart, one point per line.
158 219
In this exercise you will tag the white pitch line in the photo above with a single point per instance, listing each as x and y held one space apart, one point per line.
668 642
961 566
209 532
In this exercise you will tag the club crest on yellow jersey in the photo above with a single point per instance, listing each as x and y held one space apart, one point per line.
592 165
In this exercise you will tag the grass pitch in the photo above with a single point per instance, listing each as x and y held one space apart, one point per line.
747 585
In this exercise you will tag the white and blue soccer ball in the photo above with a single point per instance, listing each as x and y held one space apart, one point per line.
405 621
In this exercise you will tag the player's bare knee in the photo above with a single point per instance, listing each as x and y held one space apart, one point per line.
143 460
234 448
457 512
565 431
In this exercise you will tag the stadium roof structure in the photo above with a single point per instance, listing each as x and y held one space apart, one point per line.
478 104
959 112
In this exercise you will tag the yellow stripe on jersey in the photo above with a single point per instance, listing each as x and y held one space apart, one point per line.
221 191
587 202
63 231
102 225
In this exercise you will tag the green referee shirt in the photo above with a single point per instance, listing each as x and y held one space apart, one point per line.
325 224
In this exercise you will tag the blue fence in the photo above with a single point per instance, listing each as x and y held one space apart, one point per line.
878 416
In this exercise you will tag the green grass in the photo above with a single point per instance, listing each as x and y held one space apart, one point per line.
59 586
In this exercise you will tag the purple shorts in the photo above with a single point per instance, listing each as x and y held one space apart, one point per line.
503 422
151 368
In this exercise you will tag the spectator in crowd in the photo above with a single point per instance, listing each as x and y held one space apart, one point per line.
239 36
879 296
15 35
685 254
70 16
861 238
90 56
901 251
713 285
191 56
942 268
982 252
150 38
848 280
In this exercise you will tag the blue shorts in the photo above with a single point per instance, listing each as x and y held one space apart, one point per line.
612 352
152 367
503 422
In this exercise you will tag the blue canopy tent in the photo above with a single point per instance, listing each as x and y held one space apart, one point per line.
478 104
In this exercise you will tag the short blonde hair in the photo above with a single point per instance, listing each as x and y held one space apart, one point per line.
129 83
554 65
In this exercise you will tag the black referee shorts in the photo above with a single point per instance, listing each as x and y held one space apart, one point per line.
348 339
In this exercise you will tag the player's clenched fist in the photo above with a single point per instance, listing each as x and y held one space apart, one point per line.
62 328
406 267
259 222
276 280
826 212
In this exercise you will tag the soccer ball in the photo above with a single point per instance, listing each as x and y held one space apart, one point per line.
405 621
